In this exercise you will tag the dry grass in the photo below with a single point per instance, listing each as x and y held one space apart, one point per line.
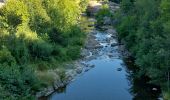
48 76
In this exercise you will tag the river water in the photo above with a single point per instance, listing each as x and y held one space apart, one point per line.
106 81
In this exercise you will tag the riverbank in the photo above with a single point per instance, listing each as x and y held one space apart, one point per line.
72 69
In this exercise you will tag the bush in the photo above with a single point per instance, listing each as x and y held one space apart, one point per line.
19 50
40 49
39 19
73 52
37 33
18 82
104 12
63 13
6 57
15 12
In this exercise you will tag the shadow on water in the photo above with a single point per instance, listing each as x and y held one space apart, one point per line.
141 89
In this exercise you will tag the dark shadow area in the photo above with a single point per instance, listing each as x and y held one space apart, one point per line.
141 89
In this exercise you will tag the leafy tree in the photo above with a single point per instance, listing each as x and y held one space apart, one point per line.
145 26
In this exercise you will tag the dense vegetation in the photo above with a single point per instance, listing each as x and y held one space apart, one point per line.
36 35
144 26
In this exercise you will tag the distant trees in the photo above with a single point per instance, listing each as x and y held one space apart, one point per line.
145 26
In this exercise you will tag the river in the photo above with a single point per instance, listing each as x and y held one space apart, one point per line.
110 79
106 81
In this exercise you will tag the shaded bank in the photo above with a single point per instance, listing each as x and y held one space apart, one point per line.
141 88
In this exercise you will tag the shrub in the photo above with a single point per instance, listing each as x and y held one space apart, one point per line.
40 49
104 12
73 52
15 12
39 19
6 57
18 82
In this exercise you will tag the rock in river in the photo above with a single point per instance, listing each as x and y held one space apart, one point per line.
119 69
114 44
79 70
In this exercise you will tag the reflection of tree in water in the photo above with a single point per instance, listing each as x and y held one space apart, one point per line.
141 89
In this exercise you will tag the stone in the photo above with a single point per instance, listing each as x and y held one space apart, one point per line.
85 53
70 74
49 90
91 43
119 69
154 89
92 20
92 66
110 55
107 21
86 70
111 31
84 14
114 44
98 46
79 70
55 85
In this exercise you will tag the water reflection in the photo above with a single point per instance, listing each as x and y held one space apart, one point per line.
141 89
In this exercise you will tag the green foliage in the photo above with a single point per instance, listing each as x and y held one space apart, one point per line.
74 52
63 13
34 27
83 5
145 26
15 12
17 83
36 35
6 57
104 12
39 19
40 49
